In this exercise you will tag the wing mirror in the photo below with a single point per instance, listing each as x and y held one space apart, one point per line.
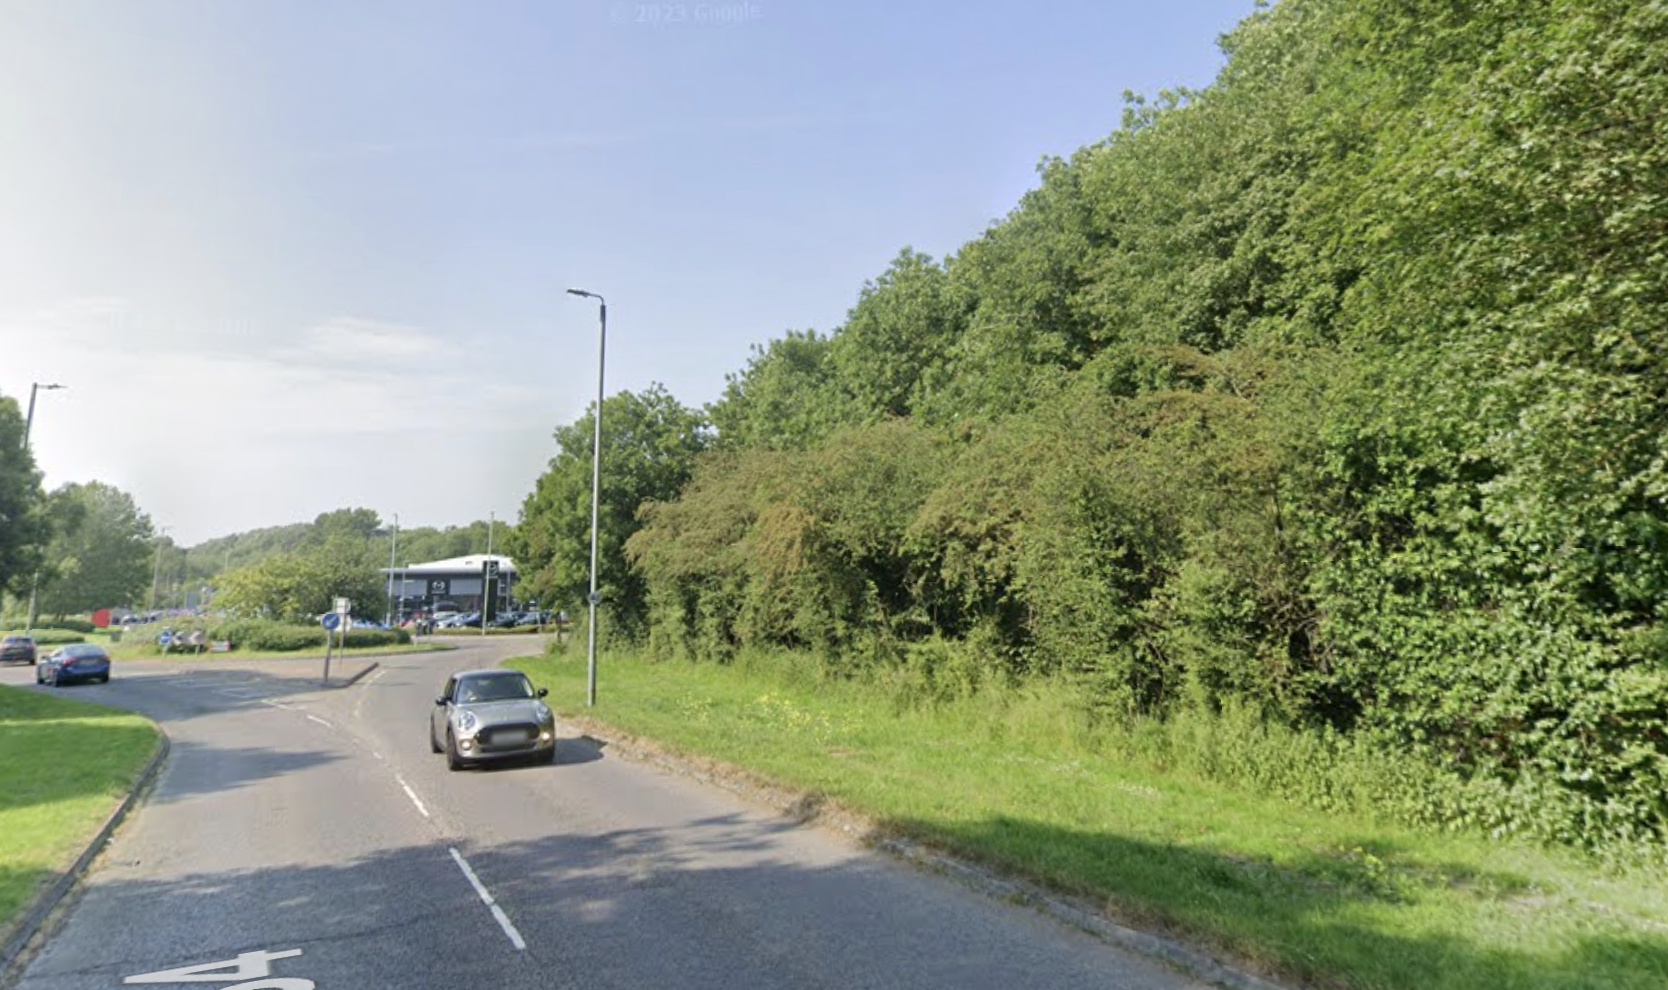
440 701
543 692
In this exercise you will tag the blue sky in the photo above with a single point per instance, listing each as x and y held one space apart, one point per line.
289 257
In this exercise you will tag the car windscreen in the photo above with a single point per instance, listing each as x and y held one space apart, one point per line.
505 688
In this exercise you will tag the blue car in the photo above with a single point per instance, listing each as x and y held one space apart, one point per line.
75 662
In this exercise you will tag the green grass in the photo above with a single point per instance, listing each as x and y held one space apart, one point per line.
1022 783
65 765
141 652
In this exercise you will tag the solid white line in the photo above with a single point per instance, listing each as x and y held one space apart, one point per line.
321 721
413 796
486 898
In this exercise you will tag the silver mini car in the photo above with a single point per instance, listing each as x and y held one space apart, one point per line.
487 715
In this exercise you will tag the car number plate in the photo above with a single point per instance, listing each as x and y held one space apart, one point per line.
503 736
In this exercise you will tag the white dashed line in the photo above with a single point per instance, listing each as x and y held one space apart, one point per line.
486 898
321 721
412 795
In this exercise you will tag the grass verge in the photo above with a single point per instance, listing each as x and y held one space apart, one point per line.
143 652
65 765
1021 782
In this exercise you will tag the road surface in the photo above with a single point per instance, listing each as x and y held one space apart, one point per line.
302 838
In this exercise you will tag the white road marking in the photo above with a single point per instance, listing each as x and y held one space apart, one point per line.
486 898
249 965
278 704
412 795
362 695
321 721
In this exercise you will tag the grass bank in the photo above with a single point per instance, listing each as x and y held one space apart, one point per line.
65 765
1021 782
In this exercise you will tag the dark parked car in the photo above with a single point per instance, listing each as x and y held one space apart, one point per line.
75 662
17 648
484 715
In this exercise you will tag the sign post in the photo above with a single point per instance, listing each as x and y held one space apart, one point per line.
332 621
489 578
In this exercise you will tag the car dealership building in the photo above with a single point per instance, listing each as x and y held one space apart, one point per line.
460 581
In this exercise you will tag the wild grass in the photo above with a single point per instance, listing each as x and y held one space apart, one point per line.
1026 781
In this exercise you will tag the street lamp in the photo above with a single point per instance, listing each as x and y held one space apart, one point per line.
393 548
28 424
596 479
156 567
29 421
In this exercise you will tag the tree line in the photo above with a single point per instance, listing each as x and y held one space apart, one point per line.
1333 392
88 546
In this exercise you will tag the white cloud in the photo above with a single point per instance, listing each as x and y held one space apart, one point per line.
212 440
350 339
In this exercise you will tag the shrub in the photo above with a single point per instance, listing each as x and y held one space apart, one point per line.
56 637
74 625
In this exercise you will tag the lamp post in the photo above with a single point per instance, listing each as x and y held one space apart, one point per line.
156 567
489 577
28 424
393 548
596 479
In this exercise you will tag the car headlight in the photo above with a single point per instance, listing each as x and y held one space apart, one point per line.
542 713
466 721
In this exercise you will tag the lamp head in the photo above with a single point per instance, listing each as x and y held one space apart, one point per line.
581 292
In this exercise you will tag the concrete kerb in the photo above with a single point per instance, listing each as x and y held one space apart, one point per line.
47 901
808 808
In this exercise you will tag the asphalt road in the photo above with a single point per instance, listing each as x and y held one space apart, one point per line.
303 838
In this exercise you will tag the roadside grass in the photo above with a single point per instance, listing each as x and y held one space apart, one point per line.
1021 782
65 765
137 652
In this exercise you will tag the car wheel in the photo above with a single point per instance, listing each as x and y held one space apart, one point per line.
453 760
434 745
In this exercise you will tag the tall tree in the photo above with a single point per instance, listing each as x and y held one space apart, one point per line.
24 526
649 445
101 559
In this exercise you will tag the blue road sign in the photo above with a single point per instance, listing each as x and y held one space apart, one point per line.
331 620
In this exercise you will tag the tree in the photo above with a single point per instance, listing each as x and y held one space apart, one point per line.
649 445
103 558
301 585
787 398
24 526
359 524
902 327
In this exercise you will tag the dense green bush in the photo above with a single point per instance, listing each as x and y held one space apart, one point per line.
74 625
56 637
1313 419
262 635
